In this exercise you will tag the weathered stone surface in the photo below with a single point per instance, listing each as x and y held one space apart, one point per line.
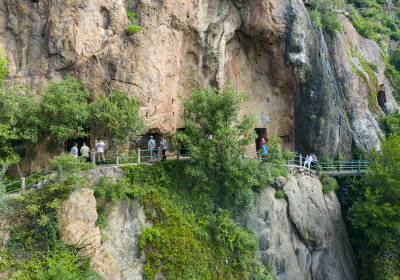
119 257
270 49
304 236
78 216
280 182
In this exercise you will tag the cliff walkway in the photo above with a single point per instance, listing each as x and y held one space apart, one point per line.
116 159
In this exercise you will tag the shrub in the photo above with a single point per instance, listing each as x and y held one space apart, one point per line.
279 194
330 21
132 29
328 183
390 124
373 66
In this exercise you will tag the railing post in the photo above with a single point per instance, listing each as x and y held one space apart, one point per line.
301 160
259 155
331 164
177 154
93 157
159 154
316 166
116 158
359 166
138 156
22 183
338 166
351 165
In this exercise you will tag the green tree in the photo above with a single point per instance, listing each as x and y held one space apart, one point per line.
65 109
217 164
7 157
121 117
20 109
3 69
377 214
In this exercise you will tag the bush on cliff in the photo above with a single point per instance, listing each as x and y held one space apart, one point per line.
390 124
190 238
36 251
216 140
132 27
323 16
371 210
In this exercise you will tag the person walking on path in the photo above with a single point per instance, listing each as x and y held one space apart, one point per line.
163 147
85 151
100 150
151 145
74 150
308 160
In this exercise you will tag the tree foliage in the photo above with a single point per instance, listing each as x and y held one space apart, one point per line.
121 116
3 69
378 214
390 124
322 14
217 164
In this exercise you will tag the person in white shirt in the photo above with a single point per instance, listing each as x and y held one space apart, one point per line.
308 160
100 150
151 145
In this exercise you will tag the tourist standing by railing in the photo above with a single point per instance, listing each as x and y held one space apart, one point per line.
85 151
74 150
151 145
163 147
100 150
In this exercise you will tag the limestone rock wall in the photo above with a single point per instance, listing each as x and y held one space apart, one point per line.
302 235
289 69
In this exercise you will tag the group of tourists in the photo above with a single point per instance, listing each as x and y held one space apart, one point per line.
85 151
310 159
151 145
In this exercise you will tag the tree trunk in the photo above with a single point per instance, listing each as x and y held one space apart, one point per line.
19 170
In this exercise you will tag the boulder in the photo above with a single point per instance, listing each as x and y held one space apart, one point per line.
280 182
78 217
303 236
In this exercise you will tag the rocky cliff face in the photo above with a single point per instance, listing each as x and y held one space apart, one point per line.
303 235
290 70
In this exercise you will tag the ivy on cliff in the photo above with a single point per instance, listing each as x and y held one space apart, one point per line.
35 249
188 240
367 73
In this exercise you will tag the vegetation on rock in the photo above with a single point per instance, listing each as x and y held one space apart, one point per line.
323 15
371 210
390 124
132 27
36 251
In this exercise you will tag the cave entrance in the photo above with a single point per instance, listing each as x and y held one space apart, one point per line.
381 97
261 133
69 143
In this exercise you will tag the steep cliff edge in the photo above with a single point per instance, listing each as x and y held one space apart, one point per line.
298 78
303 235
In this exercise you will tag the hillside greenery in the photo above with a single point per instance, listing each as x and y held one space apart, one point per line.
371 211
390 124
35 249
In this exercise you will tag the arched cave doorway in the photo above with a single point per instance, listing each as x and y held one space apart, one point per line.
105 16
381 97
